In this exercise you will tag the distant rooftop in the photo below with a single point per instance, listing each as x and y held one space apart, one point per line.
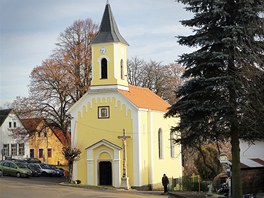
3 115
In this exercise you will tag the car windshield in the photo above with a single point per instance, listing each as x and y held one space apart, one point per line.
52 166
34 165
20 165
44 166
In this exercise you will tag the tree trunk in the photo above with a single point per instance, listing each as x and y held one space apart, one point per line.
70 179
236 176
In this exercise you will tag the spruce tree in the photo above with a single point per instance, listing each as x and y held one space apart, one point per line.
228 36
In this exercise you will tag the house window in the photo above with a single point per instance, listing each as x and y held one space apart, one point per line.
49 152
14 124
172 144
10 124
122 69
103 68
32 153
103 112
21 149
6 150
41 154
160 143
13 149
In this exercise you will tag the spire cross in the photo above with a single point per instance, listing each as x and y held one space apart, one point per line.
123 138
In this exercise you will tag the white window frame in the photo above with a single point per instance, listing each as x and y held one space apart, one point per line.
103 112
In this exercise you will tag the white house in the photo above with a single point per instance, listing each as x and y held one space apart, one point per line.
252 155
10 146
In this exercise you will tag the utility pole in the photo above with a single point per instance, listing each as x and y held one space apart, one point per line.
124 179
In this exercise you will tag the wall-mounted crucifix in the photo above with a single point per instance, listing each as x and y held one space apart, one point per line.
124 179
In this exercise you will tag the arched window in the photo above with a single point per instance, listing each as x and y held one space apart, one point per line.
122 69
160 143
172 144
103 68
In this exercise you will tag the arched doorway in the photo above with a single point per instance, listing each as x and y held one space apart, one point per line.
109 155
105 173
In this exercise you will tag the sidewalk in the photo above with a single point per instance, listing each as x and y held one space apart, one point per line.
201 195
191 194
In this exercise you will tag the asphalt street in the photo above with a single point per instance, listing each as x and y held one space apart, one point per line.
45 187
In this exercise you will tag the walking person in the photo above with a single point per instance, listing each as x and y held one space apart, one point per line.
165 182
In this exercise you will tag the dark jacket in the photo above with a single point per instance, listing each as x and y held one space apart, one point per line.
165 180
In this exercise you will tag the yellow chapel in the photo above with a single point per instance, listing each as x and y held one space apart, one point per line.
120 128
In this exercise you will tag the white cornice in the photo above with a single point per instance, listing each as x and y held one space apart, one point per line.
109 87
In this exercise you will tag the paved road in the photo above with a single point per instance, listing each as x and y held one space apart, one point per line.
11 187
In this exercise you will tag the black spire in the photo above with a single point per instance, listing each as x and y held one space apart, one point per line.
108 29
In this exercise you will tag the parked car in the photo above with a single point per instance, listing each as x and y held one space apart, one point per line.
32 160
13 168
59 172
35 170
45 170
1 169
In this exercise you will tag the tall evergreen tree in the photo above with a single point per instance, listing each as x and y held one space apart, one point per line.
228 35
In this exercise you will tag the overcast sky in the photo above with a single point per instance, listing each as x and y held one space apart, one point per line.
29 30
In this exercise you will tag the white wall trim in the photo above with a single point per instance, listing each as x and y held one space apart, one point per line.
137 152
151 149
92 164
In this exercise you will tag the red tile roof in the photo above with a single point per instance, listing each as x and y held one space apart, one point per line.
144 98
243 165
61 136
31 124
259 161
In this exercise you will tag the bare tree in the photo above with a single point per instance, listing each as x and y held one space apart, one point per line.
154 77
61 79
23 107
172 81
135 67
71 154
252 118
50 90
163 80
74 52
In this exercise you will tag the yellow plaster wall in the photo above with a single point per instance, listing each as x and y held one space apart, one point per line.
82 167
168 165
114 53
104 155
91 129
50 141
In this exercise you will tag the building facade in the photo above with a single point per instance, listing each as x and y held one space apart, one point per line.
12 145
120 128
46 142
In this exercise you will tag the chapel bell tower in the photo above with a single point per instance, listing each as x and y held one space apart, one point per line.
109 55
